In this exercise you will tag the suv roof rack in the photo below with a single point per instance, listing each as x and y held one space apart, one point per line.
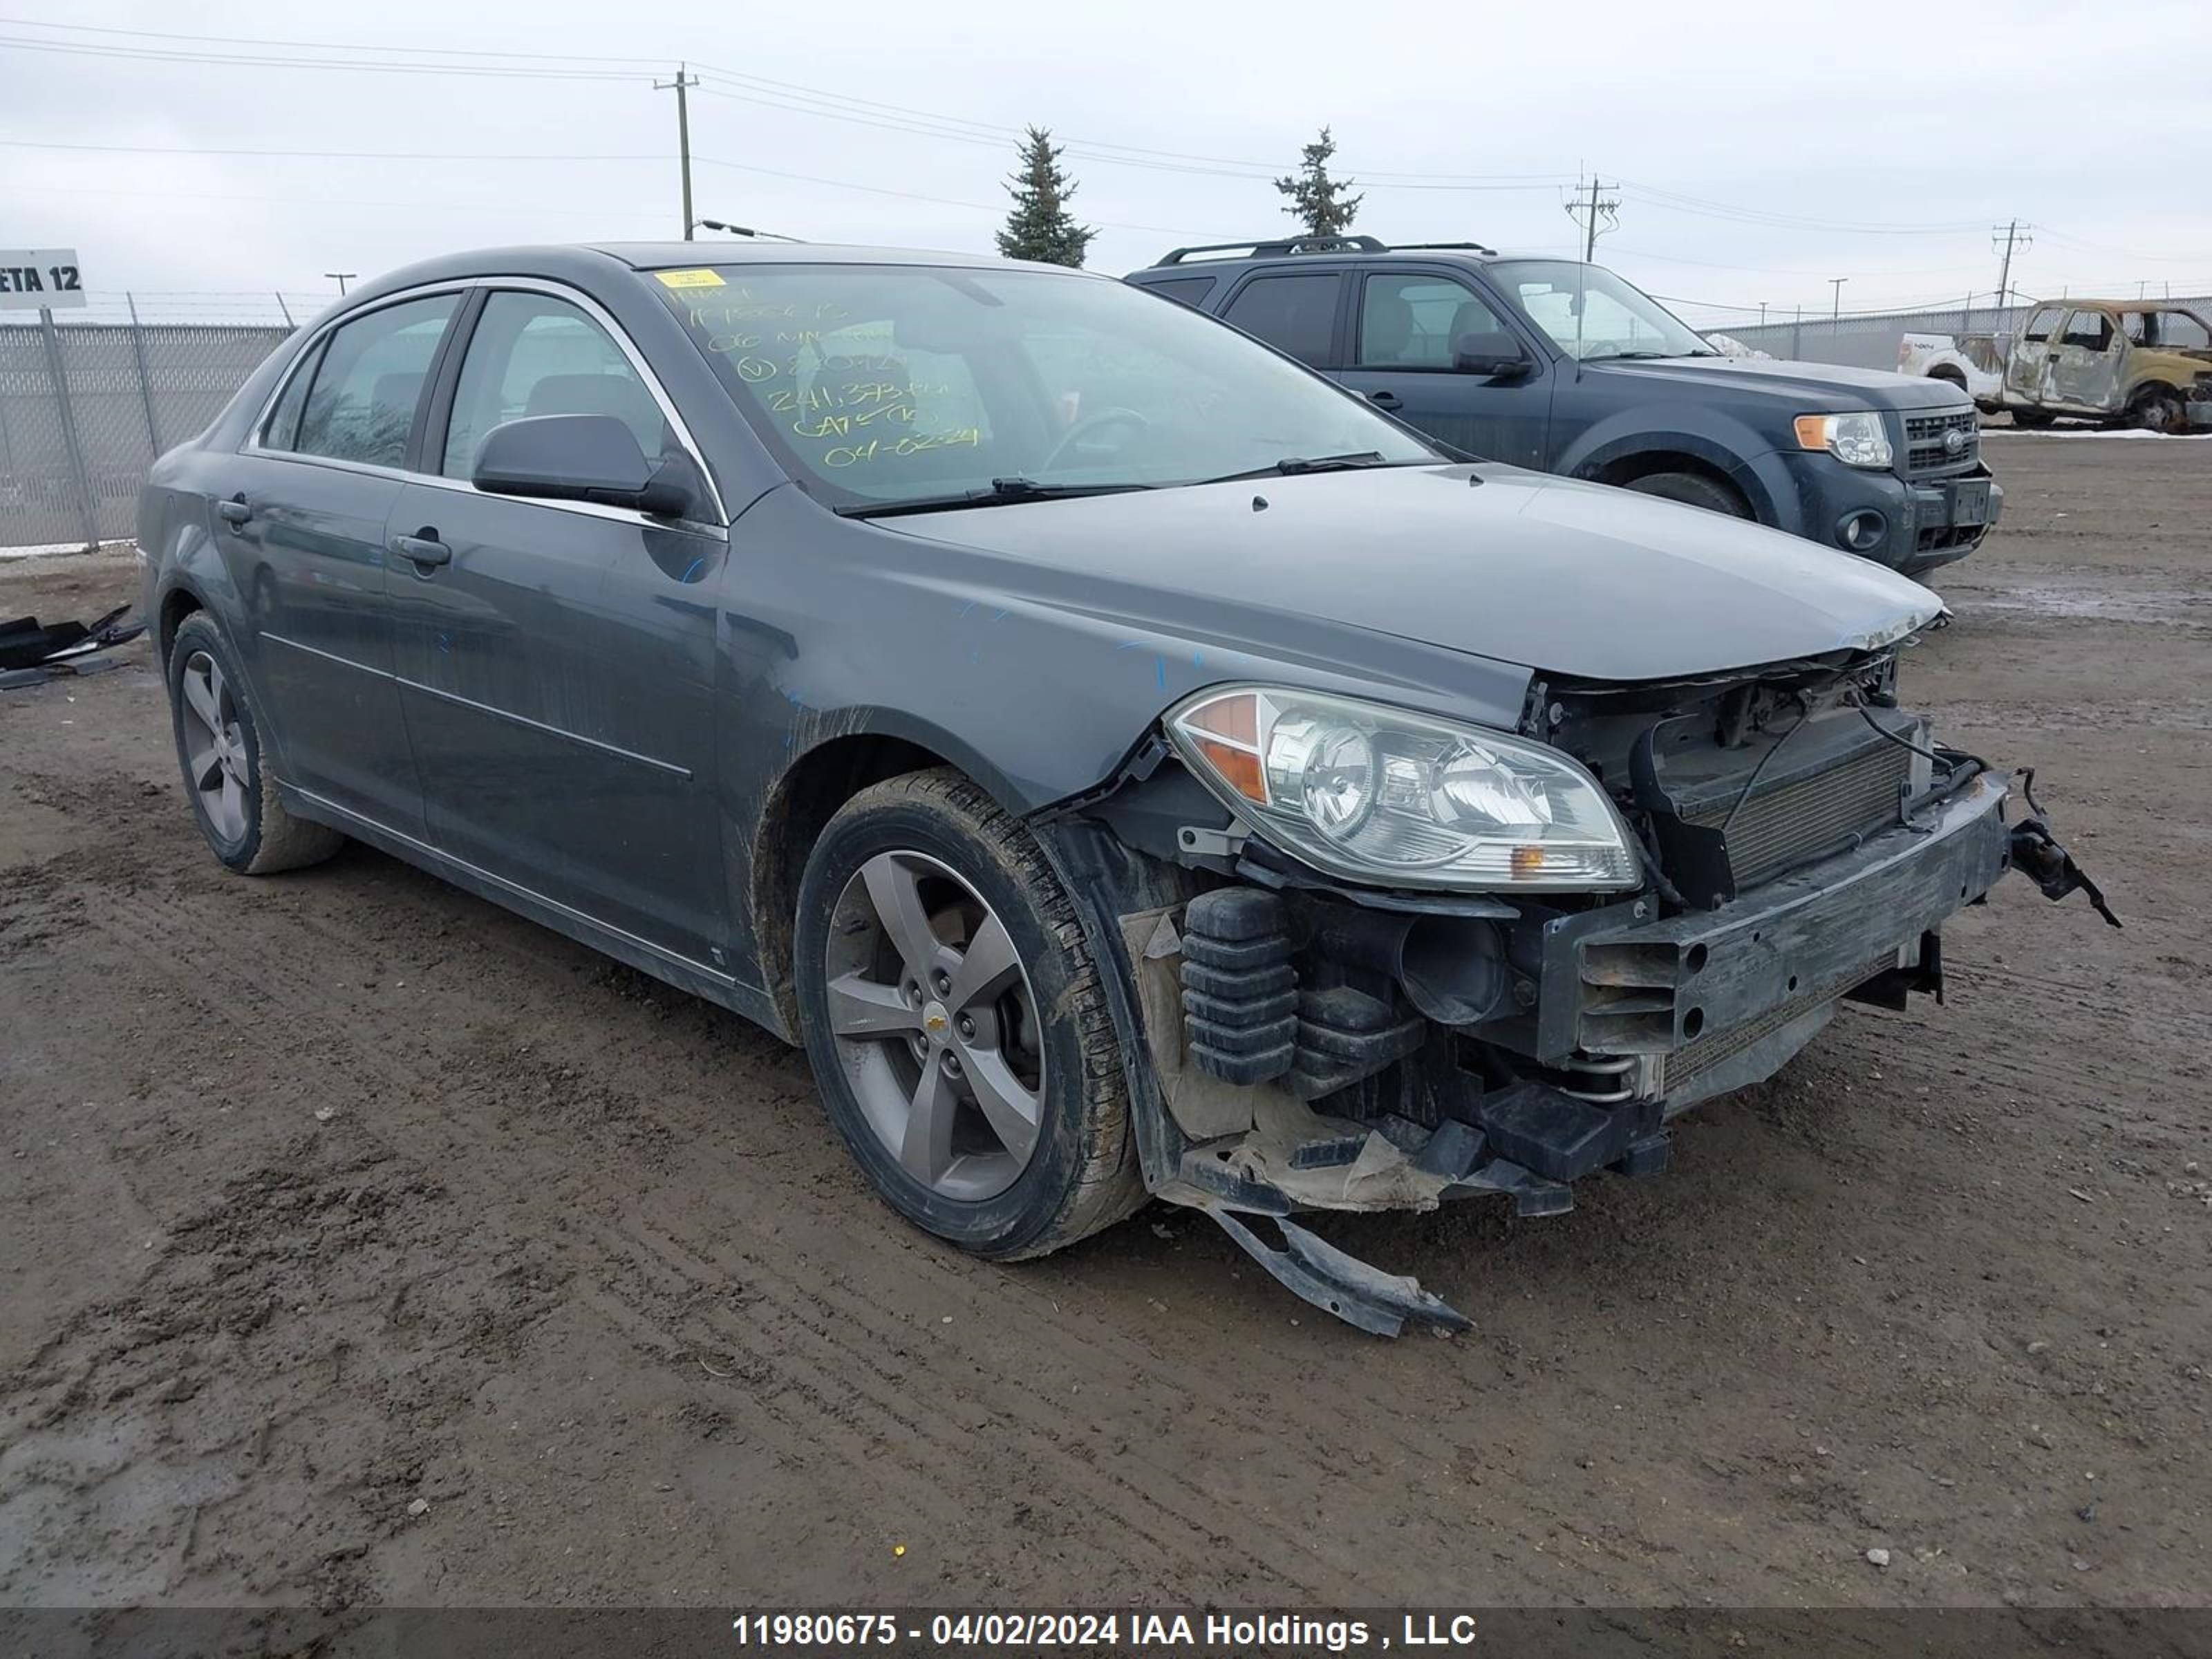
1275 248
1269 247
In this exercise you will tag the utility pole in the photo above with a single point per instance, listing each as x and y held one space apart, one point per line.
1762 313
342 277
1836 312
1586 212
2013 232
682 82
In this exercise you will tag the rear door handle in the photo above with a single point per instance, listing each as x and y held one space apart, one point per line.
423 548
235 511
1386 400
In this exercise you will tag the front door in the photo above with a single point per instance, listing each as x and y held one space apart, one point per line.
1409 328
302 533
556 659
2084 364
2029 362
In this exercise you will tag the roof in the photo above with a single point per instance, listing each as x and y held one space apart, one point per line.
2120 305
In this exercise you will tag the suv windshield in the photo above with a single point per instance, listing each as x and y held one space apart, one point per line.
888 384
1591 313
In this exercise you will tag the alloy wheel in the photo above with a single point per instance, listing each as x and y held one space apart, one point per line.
936 1025
214 747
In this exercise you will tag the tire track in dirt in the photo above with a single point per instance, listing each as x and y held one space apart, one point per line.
277 987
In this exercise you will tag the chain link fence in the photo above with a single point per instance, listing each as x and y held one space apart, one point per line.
1871 341
87 405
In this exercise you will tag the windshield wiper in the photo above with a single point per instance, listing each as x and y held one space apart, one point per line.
1291 465
1001 492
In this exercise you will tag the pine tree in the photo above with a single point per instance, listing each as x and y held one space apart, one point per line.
1316 198
1039 226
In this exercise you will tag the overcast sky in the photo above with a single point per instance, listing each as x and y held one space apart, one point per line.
1758 149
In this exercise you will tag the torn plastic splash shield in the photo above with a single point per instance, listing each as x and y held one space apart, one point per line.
1342 1285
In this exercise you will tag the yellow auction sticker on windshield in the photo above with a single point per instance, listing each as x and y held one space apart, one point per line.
689 279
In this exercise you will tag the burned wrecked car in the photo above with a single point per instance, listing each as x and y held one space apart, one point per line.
1128 763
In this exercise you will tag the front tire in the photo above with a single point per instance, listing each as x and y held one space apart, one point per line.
957 1024
2157 410
232 787
1692 489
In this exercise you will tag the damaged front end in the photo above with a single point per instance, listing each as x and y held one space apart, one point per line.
1299 1039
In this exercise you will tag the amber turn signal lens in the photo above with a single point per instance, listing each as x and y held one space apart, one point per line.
1239 768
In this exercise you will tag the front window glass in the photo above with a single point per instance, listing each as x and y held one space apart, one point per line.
879 385
1418 322
2092 330
362 405
532 354
1592 314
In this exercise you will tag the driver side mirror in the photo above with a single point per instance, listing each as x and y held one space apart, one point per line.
582 458
1498 355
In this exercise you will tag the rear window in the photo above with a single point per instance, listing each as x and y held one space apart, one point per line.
1293 312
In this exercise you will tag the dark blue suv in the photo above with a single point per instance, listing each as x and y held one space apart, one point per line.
1564 366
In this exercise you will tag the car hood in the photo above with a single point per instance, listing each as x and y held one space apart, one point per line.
1812 387
1520 567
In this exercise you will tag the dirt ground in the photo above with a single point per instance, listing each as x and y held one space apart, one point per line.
360 1242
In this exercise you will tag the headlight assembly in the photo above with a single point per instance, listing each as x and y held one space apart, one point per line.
1856 439
1372 794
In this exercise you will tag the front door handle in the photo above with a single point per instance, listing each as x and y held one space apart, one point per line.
423 548
235 511
1386 400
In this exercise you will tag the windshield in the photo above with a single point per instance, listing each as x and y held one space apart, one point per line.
880 385
1591 313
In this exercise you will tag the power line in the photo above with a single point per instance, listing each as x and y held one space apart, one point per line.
327 46
320 154
153 54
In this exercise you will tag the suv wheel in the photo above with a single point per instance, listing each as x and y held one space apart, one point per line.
232 789
2155 409
955 1022
1695 489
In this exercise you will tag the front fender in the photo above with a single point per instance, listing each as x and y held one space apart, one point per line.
1719 442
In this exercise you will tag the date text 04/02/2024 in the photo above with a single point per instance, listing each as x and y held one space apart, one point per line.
1171 1631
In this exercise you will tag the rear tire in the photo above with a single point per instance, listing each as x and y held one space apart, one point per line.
1692 489
908 1047
232 786
2155 409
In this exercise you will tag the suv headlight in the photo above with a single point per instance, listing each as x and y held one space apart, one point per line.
1856 439
1373 793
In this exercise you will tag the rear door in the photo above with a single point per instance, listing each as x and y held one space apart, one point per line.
2085 363
557 659
2030 358
301 522
1409 327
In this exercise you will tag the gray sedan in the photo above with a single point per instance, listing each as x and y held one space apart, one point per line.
1128 763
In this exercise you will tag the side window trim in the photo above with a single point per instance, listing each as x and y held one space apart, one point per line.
444 374
432 414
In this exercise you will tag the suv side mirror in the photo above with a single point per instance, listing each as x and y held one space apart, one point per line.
1497 354
580 458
